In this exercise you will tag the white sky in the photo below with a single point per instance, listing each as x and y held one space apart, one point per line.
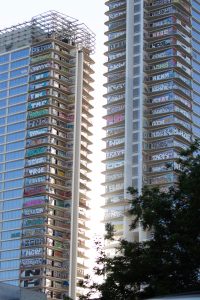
90 12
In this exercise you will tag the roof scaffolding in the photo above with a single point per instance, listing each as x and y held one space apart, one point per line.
48 25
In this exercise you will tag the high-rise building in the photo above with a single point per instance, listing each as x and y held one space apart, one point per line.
45 138
153 98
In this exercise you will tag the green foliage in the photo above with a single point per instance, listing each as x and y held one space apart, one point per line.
169 262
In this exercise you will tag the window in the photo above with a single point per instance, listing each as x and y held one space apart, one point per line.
4 76
19 54
19 72
16 136
15 165
18 81
3 94
10 264
18 90
15 155
12 204
4 68
10 254
14 214
19 63
13 194
16 127
17 99
14 184
12 224
14 174
4 58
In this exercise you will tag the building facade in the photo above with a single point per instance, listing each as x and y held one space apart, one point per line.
153 98
45 126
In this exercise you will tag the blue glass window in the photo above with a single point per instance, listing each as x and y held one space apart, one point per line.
13 194
196 66
12 224
16 127
14 184
3 94
196 5
10 254
1 148
15 165
196 87
2 112
17 99
2 139
16 136
196 131
17 108
10 264
3 103
18 81
2 121
13 204
4 68
3 85
19 63
6 235
15 146
14 174
4 76
2 130
14 214
19 72
19 54
15 155
4 58
10 244
16 118
18 90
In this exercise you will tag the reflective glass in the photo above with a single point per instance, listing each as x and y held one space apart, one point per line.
16 136
19 63
14 146
15 165
17 108
4 68
2 130
14 174
19 72
12 224
3 85
17 99
9 274
15 155
10 264
16 127
13 204
18 81
3 103
4 76
10 254
4 58
19 54
16 118
14 214
18 90
3 94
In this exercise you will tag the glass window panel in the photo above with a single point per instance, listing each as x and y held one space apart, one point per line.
2 139
14 146
19 72
18 81
10 254
12 224
16 136
17 108
4 76
14 174
13 194
14 214
16 127
19 63
4 68
3 85
3 103
2 130
17 99
3 94
4 58
10 264
1 149
16 118
10 244
2 121
18 90
19 54
14 184
15 155
15 165
13 204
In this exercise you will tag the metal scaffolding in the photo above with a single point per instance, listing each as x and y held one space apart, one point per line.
47 25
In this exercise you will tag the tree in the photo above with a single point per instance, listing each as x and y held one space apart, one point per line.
169 262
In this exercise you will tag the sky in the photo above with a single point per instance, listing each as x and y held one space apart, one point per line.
90 12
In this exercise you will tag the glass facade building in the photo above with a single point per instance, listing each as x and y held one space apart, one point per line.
153 92
45 136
